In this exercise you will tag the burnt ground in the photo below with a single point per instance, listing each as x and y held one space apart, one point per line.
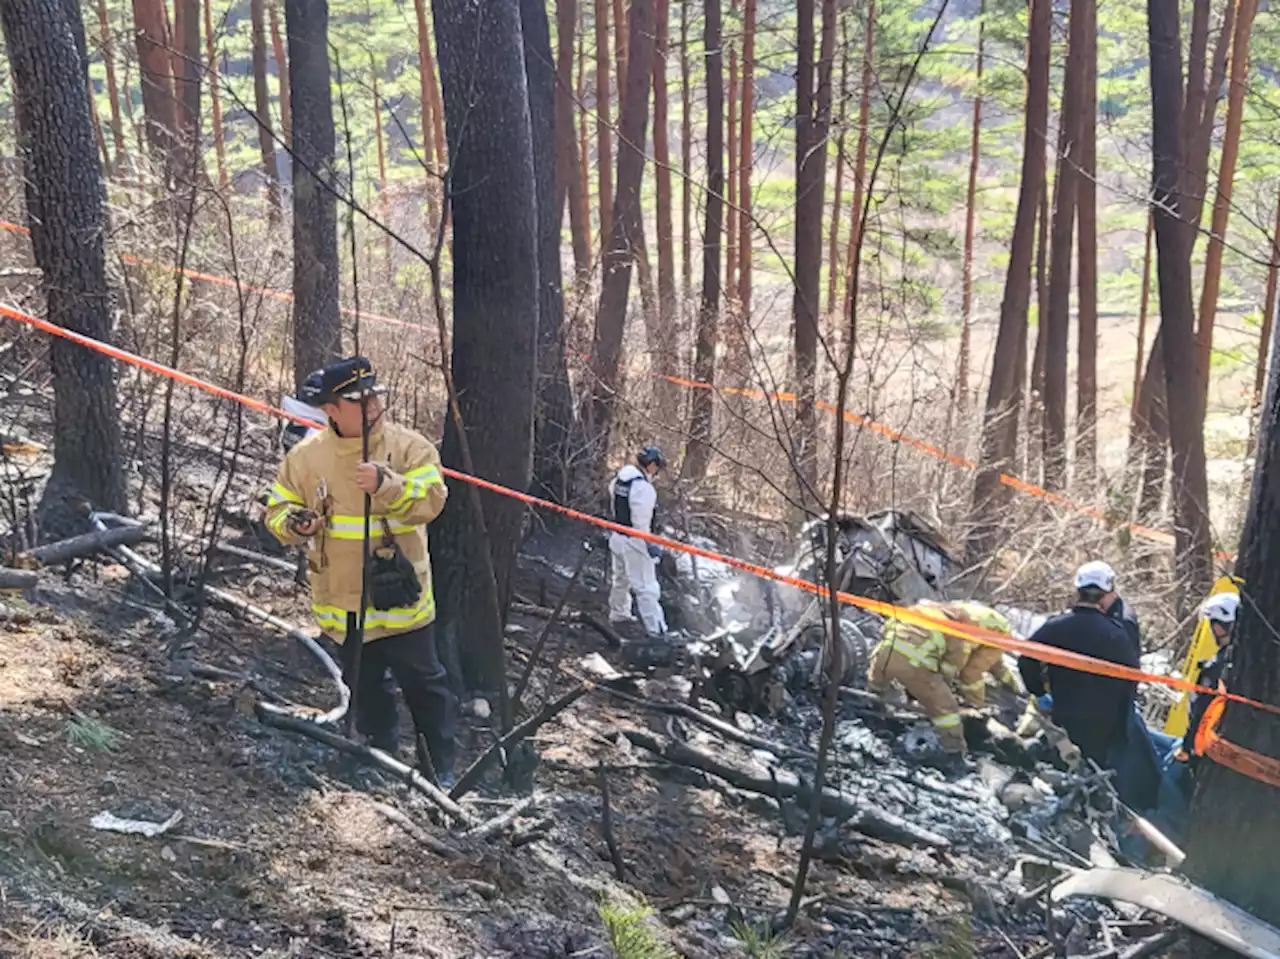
106 706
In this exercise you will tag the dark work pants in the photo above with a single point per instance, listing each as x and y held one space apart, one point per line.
412 660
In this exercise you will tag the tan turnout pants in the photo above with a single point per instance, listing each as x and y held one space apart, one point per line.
972 681
925 686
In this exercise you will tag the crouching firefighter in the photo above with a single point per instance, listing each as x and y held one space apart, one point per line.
924 662
633 565
981 661
318 501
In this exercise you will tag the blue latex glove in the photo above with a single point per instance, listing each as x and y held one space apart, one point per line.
655 551
1044 703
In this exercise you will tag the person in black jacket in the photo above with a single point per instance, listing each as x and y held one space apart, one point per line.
1094 710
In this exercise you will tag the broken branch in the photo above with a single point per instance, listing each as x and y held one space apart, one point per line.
391 814
606 826
499 823
54 554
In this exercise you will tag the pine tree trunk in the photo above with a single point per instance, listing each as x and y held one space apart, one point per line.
1234 830
65 200
1197 135
1268 313
604 134
584 131
317 330
568 179
1087 210
667 358
686 154
728 281
428 134
384 200
627 237
1065 190
99 140
215 96
620 48
157 84
837 193
746 160
553 412
1144 307
113 91
698 452
262 106
856 225
1222 202
1177 326
1004 393
186 84
970 216
496 300
282 77
1033 464
813 117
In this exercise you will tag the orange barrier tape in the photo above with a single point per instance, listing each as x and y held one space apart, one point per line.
881 429
974 634
1245 761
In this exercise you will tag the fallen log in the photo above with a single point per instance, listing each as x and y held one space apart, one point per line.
499 823
371 756
576 617
65 550
440 848
18 579
468 780
864 819
606 827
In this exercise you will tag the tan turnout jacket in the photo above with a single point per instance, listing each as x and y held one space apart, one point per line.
320 474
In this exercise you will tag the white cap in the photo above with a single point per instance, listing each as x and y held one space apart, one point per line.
1221 607
1097 575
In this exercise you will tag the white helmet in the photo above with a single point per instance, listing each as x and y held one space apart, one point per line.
1096 575
1221 608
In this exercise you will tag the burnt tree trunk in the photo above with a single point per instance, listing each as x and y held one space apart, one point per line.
157 84
1268 313
604 132
686 155
1177 323
1235 821
568 179
1058 320
813 117
665 360
554 416
65 199
317 329
625 238
1086 453
262 106
186 84
731 150
702 405
493 197
1004 394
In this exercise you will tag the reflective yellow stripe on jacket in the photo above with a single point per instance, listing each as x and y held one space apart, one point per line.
279 495
417 483
352 527
917 646
333 620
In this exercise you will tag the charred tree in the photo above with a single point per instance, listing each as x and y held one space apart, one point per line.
1065 189
604 133
65 200
1177 323
746 160
568 178
860 159
186 83
702 407
215 95
553 416
1087 210
686 154
668 346
262 106
813 117
1004 394
1234 830
317 329
626 238
496 300
970 216
731 148
1268 313
156 82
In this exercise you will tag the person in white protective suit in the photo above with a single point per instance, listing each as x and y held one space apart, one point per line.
633 563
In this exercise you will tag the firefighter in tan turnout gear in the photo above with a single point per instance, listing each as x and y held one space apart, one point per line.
318 501
925 662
